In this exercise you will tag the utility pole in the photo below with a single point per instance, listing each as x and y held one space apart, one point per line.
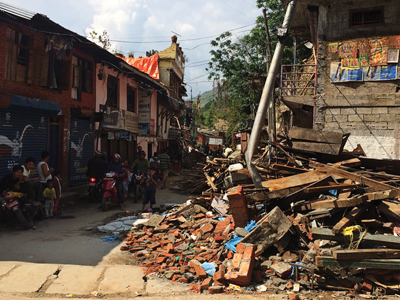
271 108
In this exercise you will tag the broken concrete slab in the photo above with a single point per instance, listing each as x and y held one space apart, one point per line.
77 280
121 279
5 268
27 278
273 227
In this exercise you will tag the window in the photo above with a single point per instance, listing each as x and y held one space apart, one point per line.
367 17
130 99
82 77
112 91
17 57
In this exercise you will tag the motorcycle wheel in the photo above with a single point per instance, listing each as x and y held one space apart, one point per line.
22 220
137 191
104 203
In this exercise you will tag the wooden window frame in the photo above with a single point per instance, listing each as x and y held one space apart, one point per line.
362 12
17 55
131 95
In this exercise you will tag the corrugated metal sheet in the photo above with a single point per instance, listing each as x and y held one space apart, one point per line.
81 150
21 135
16 11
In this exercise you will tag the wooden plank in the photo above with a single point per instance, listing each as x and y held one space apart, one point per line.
354 162
210 182
324 189
390 209
279 167
308 134
349 218
295 180
333 149
350 202
376 185
370 239
384 264
354 201
366 254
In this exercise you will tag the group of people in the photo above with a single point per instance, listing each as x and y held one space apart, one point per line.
154 170
44 190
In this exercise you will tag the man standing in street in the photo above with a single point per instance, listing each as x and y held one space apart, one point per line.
165 165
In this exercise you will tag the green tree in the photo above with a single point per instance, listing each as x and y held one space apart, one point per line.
103 40
151 52
240 62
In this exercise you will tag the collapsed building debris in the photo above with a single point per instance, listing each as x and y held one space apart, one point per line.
319 222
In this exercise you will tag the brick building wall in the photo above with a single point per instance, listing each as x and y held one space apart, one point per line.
87 101
369 110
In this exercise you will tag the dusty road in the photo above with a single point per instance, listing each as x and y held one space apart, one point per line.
68 240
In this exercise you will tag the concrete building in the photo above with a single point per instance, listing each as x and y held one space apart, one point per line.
351 85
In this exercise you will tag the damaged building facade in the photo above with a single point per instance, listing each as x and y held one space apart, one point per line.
352 83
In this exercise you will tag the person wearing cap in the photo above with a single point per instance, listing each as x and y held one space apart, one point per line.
96 167
117 167
141 163
151 181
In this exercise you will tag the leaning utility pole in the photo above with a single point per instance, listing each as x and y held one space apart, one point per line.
267 93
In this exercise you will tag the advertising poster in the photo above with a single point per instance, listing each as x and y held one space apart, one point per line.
144 113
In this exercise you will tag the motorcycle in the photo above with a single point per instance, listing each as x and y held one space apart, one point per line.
13 205
136 185
95 190
110 194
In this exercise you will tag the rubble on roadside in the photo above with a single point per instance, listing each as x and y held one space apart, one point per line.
319 223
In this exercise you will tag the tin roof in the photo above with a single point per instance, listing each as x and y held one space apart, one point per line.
16 11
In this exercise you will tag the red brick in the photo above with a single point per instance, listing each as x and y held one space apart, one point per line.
219 276
216 289
294 297
198 216
206 283
196 288
249 252
161 259
200 272
183 280
367 287
176 277
206 228
240 248
237 258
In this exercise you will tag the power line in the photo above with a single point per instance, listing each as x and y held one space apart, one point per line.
234 8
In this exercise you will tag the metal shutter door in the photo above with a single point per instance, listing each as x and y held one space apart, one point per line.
21 135
81 150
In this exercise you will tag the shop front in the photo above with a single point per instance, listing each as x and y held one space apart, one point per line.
24 130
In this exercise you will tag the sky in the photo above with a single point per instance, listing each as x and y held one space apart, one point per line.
136 26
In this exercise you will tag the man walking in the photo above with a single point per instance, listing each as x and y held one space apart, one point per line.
165 165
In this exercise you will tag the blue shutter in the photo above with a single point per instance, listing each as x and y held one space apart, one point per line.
22 134
81 150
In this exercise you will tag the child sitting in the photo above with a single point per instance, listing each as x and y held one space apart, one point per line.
49 195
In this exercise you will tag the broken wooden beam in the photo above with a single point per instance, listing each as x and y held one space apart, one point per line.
390 209
325 189
292 181
349 218
350 202
384 264
365 254
371 239
376 185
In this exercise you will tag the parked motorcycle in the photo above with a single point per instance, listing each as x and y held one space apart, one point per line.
95 190
136 185
109 195
13 205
